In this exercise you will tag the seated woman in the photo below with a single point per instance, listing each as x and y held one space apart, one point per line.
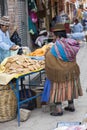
78 27
63 73
77 31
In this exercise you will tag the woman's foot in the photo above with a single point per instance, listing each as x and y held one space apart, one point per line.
58 111
71 109
70 106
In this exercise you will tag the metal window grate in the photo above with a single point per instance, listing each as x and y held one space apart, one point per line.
2 8
22 21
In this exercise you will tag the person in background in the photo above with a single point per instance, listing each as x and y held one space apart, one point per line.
53 21
84 21
5 43
77 31
85 12
85 24
77 26
42 38
63 73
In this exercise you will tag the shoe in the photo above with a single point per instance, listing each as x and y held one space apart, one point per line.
69 109
56 113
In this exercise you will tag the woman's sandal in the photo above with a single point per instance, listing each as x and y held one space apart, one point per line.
69 109
56 113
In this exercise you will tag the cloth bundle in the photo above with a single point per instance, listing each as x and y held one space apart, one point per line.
65 49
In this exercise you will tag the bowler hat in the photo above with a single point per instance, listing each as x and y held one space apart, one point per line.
4 20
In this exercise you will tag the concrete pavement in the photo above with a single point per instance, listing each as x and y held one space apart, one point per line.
43 121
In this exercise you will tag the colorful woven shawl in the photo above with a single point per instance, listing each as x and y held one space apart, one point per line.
66 49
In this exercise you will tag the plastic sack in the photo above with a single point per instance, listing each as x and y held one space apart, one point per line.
15 38
46 91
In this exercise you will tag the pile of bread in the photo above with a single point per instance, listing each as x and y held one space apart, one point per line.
21 64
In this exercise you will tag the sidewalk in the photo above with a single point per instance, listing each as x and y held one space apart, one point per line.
43 121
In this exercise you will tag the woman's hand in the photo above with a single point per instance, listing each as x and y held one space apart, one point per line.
14 48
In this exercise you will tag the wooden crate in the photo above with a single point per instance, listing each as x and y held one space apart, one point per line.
38 99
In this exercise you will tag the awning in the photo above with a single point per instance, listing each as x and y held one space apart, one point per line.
71 1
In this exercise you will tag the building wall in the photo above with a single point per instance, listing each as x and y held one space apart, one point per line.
13 14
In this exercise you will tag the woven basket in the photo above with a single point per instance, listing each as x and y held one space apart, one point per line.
8 104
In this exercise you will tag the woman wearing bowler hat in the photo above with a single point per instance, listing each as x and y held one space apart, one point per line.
5 43
63 82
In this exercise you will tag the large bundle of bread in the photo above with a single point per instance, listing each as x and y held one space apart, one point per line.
21 64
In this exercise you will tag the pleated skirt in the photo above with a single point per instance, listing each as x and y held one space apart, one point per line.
65 91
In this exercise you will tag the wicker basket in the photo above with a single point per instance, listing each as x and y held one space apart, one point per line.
8 104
